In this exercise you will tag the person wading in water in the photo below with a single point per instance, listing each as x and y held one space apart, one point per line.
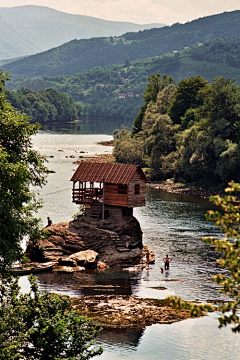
166 262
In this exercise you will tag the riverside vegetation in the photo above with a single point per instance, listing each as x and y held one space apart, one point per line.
189 132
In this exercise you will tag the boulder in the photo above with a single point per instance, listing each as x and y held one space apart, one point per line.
86 258
66 261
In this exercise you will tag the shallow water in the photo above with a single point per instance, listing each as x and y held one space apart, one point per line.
172 224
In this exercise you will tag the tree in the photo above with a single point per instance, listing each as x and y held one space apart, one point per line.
228 220
20 168
155 84
209 148
126 149
40 326
186 97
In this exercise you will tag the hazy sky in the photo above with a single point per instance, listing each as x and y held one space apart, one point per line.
137 11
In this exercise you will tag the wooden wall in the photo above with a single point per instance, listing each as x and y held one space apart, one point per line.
113 198
130 199
136 199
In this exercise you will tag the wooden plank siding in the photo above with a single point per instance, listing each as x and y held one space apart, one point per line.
113 198
130 199
136 199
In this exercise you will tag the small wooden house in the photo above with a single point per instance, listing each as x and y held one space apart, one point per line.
109 189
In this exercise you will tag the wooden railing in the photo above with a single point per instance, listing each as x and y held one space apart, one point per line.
82 196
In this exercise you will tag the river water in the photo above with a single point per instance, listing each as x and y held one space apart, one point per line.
172 224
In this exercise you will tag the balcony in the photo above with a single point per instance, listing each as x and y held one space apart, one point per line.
87 195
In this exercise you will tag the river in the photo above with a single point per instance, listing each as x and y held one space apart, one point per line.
172 224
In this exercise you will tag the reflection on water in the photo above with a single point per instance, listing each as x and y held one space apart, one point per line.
194 339
172 224
86 127
80 284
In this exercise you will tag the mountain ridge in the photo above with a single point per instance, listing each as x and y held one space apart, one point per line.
29 29
78 55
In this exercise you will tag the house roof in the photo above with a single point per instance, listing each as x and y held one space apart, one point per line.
112 173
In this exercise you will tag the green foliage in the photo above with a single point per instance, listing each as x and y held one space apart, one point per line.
209 149
186 97
155 84
47 106
228 221
97 88
137 124
191 131
39 326
224 51
81 210
20 168
79 55
127 150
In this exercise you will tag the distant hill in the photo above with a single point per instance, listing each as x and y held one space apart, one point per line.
113 91
27 30
79 55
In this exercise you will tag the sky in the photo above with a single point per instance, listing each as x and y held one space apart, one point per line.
136 11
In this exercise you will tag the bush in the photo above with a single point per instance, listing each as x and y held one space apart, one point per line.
40 326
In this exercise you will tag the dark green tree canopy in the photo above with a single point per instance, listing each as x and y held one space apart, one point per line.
186 97
155 84
20 167
46 106
191 132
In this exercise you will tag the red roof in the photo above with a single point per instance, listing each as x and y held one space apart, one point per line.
112 173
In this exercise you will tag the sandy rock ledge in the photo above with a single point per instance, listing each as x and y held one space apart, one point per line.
127 311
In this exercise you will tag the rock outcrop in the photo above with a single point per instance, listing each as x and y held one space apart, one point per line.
86 241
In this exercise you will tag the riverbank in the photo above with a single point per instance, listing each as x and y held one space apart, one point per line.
124 311
181 188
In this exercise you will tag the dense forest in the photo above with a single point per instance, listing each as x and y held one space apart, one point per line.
98 89
46 106
79 55
189 132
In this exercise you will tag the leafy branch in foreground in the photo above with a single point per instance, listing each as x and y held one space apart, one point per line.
21 169
42 326
228 220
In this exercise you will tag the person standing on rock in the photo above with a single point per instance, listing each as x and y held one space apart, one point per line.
49 222
166 262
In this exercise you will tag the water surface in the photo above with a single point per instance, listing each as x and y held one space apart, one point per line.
172 224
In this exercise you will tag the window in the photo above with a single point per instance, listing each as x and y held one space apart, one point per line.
122 189
137 189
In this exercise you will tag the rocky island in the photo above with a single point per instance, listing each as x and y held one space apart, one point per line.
87 243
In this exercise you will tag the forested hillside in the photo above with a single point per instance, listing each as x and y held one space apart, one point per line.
27 30
47 106
114 92
79 55
190 132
